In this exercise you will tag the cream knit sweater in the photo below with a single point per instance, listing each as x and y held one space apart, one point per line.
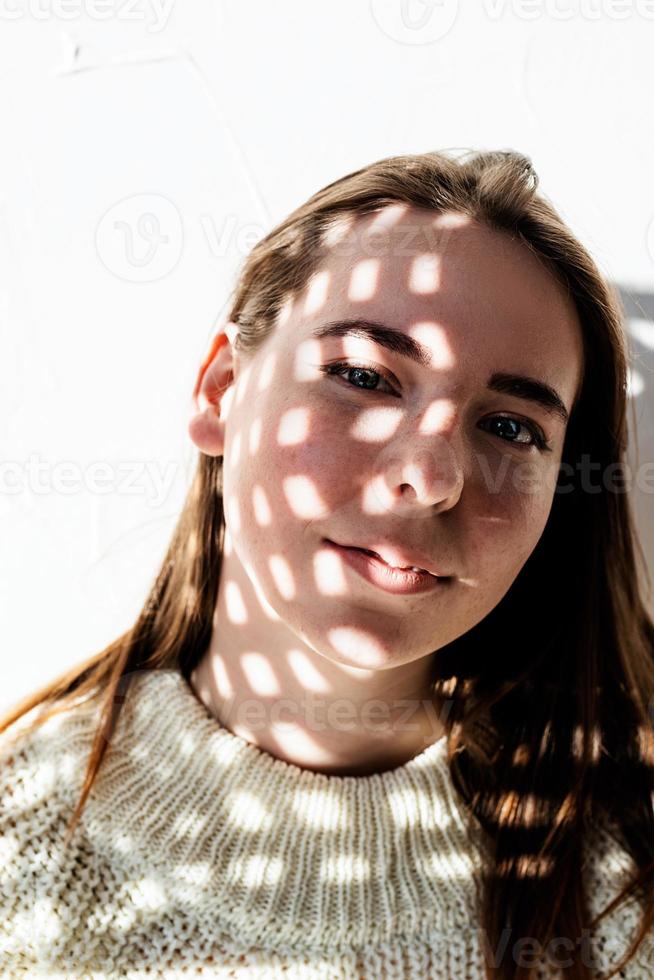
198 854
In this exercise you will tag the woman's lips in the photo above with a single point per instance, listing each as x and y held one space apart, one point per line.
393 580
373 554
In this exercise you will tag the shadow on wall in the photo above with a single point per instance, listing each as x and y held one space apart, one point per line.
639 309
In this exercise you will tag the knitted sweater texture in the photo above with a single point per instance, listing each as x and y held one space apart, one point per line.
199 854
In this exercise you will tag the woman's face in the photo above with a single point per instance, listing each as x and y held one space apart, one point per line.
421 456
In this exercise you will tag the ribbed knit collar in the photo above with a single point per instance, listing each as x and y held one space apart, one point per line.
218 825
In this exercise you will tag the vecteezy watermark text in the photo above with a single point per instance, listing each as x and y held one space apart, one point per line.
415 22
154 479
315 714
150 478
155 13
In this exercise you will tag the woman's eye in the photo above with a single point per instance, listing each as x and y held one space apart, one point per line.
363 372
534 436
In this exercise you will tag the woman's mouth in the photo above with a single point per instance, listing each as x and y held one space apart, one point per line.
398 581
409 568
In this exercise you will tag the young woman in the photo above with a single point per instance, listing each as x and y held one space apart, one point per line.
386 709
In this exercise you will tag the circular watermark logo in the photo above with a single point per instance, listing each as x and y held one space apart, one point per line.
415 21
140 238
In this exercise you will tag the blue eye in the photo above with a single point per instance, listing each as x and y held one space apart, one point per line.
341 368
535 436
345 367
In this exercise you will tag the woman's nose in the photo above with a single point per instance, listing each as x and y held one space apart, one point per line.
418 476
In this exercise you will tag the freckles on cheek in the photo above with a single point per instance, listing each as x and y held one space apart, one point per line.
327 454
523 493
513 515
329 441
337 467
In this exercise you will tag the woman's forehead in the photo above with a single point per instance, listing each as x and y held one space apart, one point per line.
418 238
474 293
472 278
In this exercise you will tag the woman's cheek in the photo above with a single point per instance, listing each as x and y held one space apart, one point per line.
326 452
504 524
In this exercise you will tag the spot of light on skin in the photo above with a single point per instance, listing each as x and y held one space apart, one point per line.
267 372
235 450
282 576
376 424
308 354
316 292
223 683
452 220
309 677
254 437
433 336
261 507
227 399
288 733
349 641
303 498
376 498
242 384
285 311
236 608
337 230
266 608
260 675
388 217
328 572
234 514
438 414
293 427
424 275
363 281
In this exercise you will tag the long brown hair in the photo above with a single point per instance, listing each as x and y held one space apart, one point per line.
546 736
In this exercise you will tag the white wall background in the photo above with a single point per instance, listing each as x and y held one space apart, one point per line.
147 143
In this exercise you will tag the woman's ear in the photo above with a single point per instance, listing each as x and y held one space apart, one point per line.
213 392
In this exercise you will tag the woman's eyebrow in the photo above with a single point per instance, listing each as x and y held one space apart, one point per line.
518 385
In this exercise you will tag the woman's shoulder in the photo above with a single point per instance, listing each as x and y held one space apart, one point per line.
607 867
41 773
40 755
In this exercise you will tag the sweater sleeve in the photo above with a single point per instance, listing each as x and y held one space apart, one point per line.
33 822
607 868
